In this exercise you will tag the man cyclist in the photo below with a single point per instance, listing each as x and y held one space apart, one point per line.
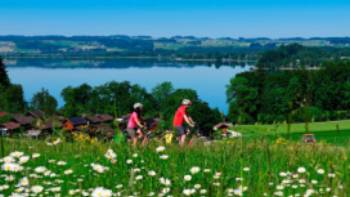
180 118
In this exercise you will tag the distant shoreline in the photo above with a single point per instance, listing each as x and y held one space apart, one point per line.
140 58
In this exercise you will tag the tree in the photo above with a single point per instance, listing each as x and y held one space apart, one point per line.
4 79
296 95
112 98
11 99
77 100
297 56
205 117
45 102
118 98
162 91
243 94
11 96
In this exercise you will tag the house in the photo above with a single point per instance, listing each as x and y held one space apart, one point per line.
2 114
223 127
50 125
105 117
75 123
9 127
24 121
104 131
93 119
100 118
309 138
37 114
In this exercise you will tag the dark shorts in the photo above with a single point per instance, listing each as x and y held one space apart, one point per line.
180 130
131 132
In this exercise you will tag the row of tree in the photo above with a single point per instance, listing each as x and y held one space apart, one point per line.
296 95
118 98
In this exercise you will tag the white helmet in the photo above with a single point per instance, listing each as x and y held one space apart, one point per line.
186 102
138 105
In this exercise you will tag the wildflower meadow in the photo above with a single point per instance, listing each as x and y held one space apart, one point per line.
223 168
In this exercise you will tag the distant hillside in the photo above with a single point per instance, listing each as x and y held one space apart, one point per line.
174 48
297 56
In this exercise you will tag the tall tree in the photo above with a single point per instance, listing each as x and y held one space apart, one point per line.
45 102
11 99
4 79
77 100
162 91
243 98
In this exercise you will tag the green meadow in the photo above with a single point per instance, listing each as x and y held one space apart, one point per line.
261 163
333 132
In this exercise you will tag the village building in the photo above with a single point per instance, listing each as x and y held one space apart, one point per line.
26 122
75 123
99 118
50 125
9 128
2 114
37 114
103 130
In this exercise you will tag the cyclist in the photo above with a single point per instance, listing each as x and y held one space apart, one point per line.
180 118
135 126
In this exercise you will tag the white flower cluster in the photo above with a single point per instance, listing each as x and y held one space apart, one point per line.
14 161
160 149
195 170
55 142
101 192
111 156
99 168
302 183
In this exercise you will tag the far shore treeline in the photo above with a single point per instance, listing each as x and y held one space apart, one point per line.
220 51
285 86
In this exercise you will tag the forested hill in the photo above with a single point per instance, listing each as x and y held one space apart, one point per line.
174 48
296 56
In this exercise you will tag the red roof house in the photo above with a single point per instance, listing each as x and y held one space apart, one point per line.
2 113
100 118
11 125
23 120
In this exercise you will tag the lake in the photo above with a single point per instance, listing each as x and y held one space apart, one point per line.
208 80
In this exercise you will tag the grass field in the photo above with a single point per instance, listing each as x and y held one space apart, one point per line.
227 168
335 132
262 163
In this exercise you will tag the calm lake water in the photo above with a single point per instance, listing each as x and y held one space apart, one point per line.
209 81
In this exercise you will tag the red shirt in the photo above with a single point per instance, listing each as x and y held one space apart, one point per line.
179 116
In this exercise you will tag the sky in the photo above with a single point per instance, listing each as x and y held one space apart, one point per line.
165 18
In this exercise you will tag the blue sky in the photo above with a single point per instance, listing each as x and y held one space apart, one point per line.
214 18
